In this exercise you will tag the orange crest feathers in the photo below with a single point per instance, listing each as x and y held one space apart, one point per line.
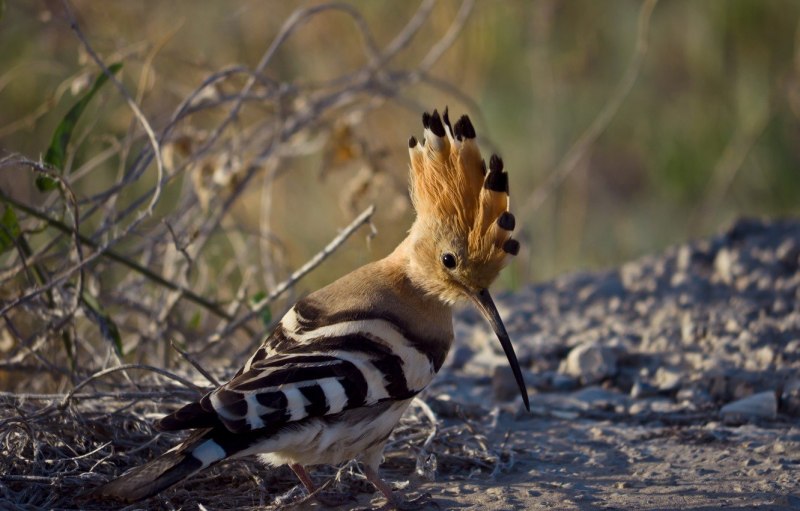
450 185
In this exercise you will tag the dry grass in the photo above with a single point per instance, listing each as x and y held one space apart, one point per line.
102 269
119 289
55 447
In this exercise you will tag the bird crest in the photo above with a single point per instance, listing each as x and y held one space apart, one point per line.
459 202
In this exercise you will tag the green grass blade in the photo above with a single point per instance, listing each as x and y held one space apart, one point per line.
108 329
266 313
9 229
56 155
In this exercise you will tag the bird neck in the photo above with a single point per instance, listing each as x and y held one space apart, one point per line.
430 317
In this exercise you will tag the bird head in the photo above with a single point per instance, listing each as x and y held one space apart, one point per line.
461 238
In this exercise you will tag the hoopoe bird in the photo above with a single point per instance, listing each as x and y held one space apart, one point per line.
331 382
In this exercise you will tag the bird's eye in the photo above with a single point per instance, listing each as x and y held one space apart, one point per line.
449 261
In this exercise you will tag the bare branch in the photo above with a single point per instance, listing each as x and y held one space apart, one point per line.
312 263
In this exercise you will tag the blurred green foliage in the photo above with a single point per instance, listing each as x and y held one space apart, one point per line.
708 132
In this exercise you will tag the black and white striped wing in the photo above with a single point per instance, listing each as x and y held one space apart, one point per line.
306 371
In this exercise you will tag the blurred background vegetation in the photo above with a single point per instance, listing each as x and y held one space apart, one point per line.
625 126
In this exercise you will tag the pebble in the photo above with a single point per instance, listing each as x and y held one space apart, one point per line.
694 396
596 397
563 382
460 356
723 265
790 398
642 389
760 405
668 380
504 385
789 501
591 363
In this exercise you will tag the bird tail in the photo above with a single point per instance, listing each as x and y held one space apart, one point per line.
198 452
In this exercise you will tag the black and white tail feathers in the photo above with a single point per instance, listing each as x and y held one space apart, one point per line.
202 449
196 453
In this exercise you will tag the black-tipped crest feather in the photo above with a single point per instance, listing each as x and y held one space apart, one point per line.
436 125
464 127
506 221
511 246
497 181
495 163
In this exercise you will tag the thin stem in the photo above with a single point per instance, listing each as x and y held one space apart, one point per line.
110 254
312 263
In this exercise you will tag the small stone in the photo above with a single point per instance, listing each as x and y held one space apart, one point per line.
788 500
788 253
722 265
684 259
563 382
793 346
564 414
689 329
460 356
732 326
504 385
761 405
591 363
445 406
642 389
763 357
697 397
668 380
596 397
790 398
665 406
779 307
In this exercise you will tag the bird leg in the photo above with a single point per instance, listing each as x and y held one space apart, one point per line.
330 499
395 501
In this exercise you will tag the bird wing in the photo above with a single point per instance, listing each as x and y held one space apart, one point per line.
311 367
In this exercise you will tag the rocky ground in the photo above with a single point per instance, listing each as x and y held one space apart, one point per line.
672 382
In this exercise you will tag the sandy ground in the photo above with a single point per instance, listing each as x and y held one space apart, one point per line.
617 464
614 462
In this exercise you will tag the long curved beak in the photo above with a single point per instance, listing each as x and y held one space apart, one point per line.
484 302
